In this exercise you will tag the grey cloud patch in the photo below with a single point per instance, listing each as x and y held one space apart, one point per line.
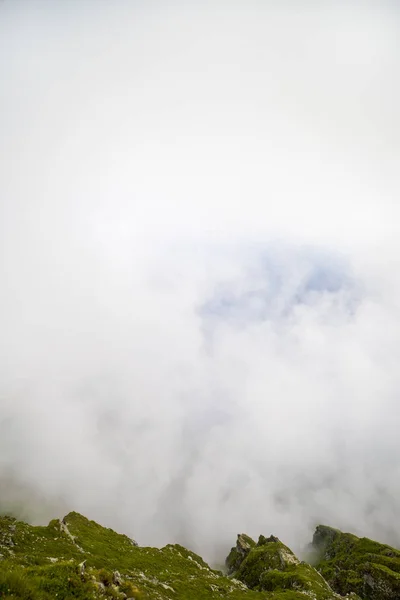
276 280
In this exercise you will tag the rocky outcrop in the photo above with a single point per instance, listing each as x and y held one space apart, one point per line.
270 566
359 565
324 540
238 553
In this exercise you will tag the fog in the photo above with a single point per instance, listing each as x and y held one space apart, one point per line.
199 267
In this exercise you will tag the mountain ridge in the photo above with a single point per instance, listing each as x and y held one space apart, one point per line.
77 558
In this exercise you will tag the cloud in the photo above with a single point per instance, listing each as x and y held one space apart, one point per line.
199 280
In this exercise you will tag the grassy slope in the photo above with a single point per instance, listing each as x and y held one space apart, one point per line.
361 565
43 563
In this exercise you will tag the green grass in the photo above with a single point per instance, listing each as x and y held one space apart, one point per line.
359 565
271 566
43 563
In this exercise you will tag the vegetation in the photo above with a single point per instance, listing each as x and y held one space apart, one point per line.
75 558
360 565
271 566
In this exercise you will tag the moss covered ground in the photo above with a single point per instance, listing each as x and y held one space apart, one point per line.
360 565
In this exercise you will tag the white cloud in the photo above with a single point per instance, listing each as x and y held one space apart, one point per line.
152 160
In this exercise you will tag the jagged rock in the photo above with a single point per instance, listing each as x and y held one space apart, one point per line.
82 567
117 580
271 566
238 553
359 565
263 540
324 538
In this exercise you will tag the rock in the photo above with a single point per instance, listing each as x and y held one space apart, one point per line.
238 553
263 540
324 538
82 567
117 579
100 586
133 542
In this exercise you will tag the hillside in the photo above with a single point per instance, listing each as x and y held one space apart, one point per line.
361 565
77 558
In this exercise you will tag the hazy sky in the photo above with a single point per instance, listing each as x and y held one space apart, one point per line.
199 266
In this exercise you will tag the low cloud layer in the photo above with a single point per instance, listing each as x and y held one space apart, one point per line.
200 291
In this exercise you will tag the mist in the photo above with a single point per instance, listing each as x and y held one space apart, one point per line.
199 267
